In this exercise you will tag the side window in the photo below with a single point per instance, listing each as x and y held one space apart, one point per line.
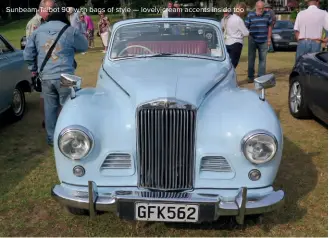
4 47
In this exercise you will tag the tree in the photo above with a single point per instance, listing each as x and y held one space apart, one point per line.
123 4
324 5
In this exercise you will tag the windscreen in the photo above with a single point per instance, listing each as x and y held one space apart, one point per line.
166 39
283 24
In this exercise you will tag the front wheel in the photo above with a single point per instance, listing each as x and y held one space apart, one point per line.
298 104
17 109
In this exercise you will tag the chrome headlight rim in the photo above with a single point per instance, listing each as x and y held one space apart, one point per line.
253 134
82 130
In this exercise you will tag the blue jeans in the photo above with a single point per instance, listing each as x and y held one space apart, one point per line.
54 97
262 53
307 46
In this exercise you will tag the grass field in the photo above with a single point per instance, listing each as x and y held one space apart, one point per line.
27 172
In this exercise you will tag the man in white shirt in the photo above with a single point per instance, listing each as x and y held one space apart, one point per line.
165 13
234 32
309 27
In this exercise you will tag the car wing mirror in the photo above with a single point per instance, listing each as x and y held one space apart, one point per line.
71 81
264 82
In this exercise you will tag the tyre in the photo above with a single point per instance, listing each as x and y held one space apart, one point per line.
18 106
76 211
297 99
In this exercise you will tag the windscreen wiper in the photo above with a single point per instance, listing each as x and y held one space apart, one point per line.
161 55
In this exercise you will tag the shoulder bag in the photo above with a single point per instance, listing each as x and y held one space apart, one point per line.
36 80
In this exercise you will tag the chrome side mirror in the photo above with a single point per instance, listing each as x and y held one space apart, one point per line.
71 81
264 82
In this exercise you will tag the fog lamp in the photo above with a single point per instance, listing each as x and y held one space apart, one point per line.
79 171
254 175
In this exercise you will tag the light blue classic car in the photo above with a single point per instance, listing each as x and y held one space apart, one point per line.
167 134
15 80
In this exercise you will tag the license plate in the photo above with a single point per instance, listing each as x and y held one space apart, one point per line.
166 212
292 43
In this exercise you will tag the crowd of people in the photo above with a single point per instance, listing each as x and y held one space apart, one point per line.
257 25
59 35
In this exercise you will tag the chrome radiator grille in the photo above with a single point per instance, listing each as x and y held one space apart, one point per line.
166 148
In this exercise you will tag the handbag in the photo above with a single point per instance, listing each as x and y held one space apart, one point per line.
36 80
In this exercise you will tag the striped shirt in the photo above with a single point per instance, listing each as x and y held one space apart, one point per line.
258 26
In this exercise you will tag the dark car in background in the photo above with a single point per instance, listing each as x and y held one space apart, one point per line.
308 87
283 35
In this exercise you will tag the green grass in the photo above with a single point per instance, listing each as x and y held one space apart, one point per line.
27 172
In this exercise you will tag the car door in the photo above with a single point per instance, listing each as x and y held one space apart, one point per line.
319 84
5 75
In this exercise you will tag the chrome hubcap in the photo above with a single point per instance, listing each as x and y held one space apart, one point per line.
17 102
295 97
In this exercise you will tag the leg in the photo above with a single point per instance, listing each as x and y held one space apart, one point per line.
236 53
262 53
42 109
92 38
301 48
251 59
106 40
228 48
63 93
315 47
271 48
103 41
51 108
88 38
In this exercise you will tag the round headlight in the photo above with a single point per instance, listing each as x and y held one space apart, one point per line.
259 147
75 142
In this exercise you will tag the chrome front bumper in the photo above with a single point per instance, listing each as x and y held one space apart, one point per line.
211 207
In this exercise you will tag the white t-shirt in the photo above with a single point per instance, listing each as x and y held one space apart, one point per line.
165 15
234 29
310 22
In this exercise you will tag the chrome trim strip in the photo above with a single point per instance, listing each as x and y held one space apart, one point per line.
129 186
167 102
214 163
107 162
99 186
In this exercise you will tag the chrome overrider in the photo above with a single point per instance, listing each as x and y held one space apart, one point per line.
93 201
